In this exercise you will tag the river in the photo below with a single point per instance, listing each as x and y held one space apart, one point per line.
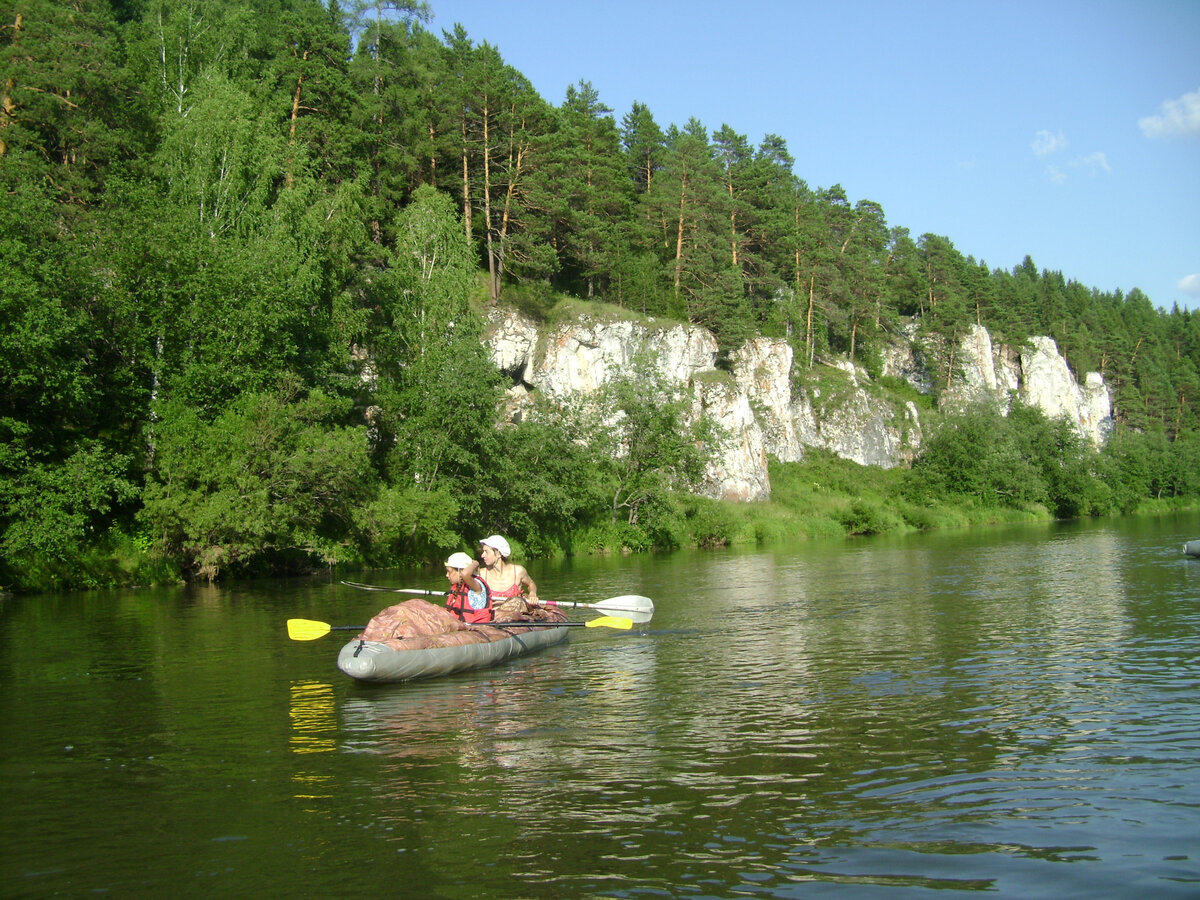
1013 711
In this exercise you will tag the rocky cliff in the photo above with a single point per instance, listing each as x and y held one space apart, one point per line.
766 407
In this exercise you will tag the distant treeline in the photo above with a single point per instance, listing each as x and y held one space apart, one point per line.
238 247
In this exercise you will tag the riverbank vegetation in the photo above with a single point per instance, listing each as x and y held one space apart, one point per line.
241 245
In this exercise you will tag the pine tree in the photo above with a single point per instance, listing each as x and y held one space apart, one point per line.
644 145
690 206
387 85
582 186
498 114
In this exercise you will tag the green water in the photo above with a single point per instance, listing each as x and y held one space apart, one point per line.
1013 712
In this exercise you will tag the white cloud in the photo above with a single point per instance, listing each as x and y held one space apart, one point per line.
1179 118
1055 174
1045 143
1093 162
1190 285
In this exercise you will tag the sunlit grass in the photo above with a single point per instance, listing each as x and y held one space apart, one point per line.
829 498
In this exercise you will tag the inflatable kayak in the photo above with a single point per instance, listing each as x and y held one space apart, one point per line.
376 661
416 639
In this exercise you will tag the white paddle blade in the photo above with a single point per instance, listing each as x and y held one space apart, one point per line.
627 603
636 607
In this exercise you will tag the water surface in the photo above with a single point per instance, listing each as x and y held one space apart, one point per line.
1008 711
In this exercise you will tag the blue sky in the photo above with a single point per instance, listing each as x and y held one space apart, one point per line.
1065 130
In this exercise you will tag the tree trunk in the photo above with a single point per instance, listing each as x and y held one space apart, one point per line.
466 179
808 336
7 112
733 234
493 287
679 237
516 159
8 106
297 95
433 171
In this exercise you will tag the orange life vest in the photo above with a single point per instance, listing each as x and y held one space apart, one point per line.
459 603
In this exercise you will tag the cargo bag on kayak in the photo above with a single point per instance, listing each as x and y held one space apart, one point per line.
420 625
412 618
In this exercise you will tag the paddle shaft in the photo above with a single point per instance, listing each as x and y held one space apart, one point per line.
629 603
493 624
390 590
308 630
536 624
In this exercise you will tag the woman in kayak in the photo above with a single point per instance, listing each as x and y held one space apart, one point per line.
505 579
469 597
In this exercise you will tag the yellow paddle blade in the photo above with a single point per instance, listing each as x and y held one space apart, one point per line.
610 622
307 629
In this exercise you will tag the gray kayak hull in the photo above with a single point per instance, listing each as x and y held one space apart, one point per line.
377 662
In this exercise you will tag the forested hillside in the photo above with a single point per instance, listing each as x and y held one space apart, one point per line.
239 244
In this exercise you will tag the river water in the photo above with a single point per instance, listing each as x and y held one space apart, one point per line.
1012 711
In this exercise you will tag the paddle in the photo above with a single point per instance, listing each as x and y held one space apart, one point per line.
633 603
309 630
602 622
376 587
641 607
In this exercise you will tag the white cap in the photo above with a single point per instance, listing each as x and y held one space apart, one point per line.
458 560
498 544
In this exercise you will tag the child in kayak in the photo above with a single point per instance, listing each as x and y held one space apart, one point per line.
469 597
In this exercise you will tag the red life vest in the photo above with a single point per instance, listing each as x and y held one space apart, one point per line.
459 603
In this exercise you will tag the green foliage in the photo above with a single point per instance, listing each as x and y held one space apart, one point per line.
43 329
582 186
405 524
272 482
221 162
1135 467
1021 461
968 456
436 391
711 524
71 111
540 486
865 517
642 426
54 514
239 254
903 391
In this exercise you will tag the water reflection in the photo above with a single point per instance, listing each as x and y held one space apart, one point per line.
926 694
977 712
314 723
475 712
313 730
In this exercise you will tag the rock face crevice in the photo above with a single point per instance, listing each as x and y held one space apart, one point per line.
763 407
